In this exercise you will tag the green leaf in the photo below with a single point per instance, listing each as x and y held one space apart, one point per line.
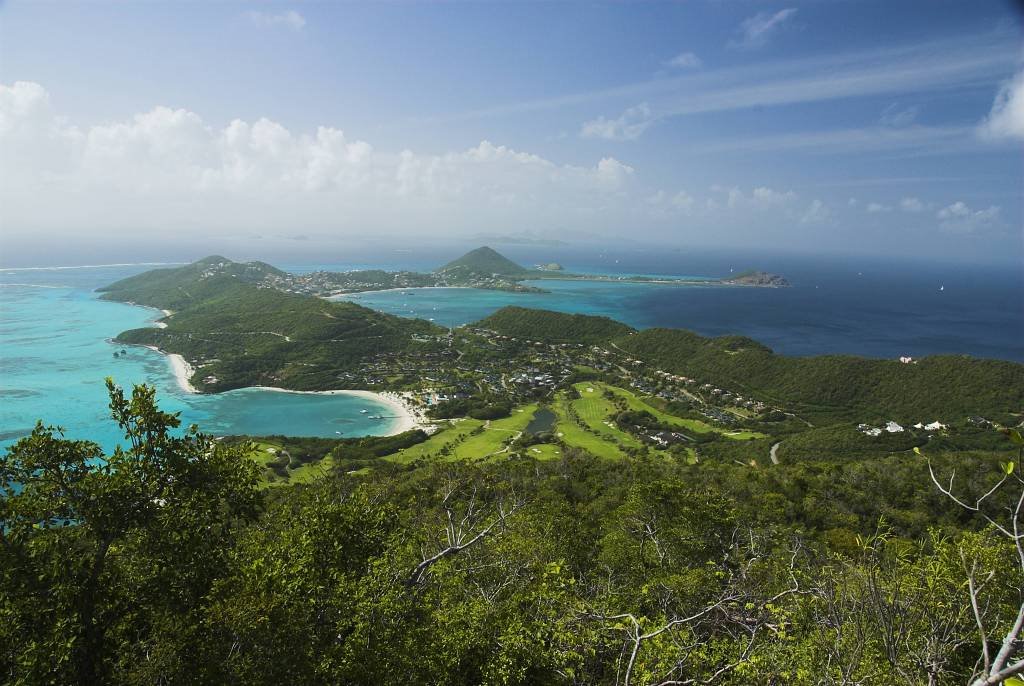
1017 438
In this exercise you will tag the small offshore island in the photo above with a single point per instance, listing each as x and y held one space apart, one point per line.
200 334
482 268
529 378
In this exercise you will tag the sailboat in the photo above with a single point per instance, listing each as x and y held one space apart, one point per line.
942 288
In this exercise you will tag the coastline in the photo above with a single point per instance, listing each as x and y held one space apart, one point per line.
183 371
348 294
407 417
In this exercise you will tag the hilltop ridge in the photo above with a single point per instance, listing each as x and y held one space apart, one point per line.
483 261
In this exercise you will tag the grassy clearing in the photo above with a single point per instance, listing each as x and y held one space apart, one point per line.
544 451
468 439
495 435
574 435
436 444
308 472
634 402
596 411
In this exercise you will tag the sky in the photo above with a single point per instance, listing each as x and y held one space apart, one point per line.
855 127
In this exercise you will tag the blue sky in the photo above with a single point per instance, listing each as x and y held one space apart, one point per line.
837 126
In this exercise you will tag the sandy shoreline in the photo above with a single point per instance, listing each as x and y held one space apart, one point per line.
349 294
183 371
407 417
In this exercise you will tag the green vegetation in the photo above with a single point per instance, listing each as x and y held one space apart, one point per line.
239 334
164 562
180 287
836 388
555 327
483 261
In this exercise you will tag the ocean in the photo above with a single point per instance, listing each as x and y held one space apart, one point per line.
55 348
868 307
55 352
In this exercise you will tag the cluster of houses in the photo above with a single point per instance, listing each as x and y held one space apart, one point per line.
718 394
892 427
665 438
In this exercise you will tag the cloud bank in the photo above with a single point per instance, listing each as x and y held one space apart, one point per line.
169 168
169 171
1006 120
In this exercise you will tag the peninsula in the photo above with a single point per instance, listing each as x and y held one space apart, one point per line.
482 268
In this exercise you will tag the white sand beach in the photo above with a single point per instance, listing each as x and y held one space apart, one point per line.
183 371
407 417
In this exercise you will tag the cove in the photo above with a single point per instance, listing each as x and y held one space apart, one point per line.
55 352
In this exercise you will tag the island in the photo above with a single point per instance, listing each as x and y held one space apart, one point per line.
589 496
483 268
234 326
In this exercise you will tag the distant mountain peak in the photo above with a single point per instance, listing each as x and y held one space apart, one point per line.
484 260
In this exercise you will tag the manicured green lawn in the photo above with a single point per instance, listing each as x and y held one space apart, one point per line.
574 435
544 451
597 412
308 472
433 446
636 403
462 445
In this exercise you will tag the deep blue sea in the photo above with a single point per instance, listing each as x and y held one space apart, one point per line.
55 349
867 307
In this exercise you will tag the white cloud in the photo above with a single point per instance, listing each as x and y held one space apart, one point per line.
167 166
290 19
681 202
816 213
930 66
629 126
767 196
685 60
897 116
1006 120
757 30
878 208
960 218
911 204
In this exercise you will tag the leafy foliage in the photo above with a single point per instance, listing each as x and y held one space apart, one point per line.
246 336
555 327
483 261
158 563
834 388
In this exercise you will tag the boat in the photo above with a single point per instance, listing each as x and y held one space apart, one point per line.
363 411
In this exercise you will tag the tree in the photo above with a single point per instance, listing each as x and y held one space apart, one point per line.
103 555
1000 657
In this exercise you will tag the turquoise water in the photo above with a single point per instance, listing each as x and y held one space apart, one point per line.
54 349
55 353
458 306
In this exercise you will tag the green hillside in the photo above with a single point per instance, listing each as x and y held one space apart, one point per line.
177 288
237 332
484 261
556 327
839 387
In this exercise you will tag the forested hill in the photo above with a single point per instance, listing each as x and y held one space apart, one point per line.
237 333
484 261
839 387
555 327
179 287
